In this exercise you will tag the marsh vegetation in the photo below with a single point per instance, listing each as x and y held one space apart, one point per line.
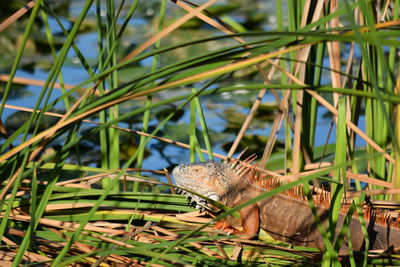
101 99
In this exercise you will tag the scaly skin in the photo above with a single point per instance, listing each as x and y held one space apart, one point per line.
285 217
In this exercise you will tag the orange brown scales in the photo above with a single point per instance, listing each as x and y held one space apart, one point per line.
286 216
321 199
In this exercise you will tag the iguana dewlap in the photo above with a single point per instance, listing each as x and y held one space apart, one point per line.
285 217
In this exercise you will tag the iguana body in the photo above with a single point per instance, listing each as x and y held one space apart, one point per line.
287 216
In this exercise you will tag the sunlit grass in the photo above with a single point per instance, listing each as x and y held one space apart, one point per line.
321 57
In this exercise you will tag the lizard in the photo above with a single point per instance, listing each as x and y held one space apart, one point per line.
286 216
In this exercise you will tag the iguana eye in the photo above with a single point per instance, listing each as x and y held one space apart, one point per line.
214 197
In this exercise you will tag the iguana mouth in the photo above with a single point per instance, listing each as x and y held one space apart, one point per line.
201 203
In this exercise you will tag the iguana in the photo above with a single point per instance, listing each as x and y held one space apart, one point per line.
287 216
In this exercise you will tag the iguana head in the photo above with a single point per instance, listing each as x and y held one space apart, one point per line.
210 179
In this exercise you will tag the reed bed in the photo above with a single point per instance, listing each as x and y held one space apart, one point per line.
335 57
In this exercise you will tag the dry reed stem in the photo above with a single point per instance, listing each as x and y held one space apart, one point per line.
6 263
109 240
166 140
299 70
317 165
35 257
296 162
92 179
352 126
345 81
19 13
219 247
95 178
167 30
123 240
358 177
84 247
370 180
193 217
308 167
65 225
384 14
374 192
34 82
8 242
171 188
236 251
53 207
349 65
334 52
175 236
276 125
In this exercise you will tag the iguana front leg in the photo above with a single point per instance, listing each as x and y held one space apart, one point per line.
250 219
249 222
